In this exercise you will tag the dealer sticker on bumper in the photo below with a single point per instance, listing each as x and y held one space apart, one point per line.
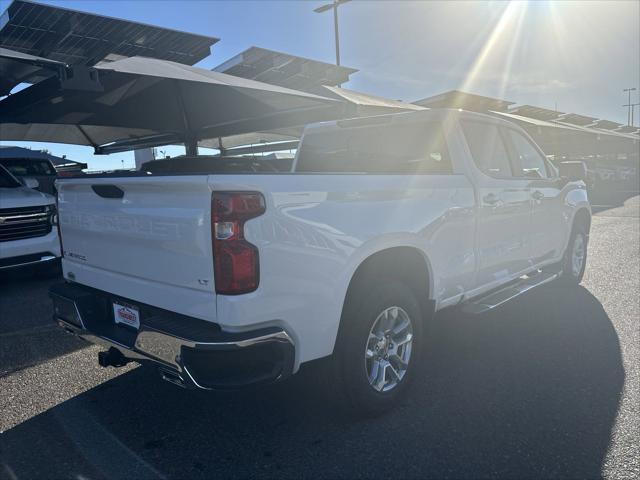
126 315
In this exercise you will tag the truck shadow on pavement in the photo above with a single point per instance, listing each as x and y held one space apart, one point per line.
28 334
529 390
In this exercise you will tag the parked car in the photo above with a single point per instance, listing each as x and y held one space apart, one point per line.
40 169
28 234
223 279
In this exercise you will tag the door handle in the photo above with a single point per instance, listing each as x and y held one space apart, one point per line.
490 199
108 191
537 195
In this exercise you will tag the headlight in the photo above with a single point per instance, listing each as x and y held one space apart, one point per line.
52 212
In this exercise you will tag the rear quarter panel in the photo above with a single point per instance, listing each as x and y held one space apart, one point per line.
318 229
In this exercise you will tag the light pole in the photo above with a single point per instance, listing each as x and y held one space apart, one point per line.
629 106
328 6
633 106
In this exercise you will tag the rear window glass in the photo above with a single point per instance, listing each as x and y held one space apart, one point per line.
394 149
21 167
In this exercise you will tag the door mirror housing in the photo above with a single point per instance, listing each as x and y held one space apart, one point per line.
573 170
30 182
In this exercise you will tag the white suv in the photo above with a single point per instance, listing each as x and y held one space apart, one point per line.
28 235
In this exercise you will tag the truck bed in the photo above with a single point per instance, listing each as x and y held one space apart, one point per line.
153 245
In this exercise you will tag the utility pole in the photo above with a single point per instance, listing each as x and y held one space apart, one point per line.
633 106
328 6
629 105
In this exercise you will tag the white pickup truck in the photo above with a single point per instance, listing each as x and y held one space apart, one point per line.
225 273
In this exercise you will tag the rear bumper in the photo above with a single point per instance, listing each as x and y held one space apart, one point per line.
190 352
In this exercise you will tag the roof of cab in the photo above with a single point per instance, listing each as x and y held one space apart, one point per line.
405 117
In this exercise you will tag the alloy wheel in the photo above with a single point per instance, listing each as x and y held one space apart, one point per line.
388 349
578 254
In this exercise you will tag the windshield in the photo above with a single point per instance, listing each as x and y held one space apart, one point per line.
7 180
28 166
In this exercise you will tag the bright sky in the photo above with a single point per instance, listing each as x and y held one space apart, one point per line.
578 55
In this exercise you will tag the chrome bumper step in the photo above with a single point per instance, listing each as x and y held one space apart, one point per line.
496 298
217 361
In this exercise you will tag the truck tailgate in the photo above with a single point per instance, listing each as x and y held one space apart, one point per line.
156 230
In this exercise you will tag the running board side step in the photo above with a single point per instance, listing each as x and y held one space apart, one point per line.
499 297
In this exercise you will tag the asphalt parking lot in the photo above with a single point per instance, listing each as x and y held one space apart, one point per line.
547 386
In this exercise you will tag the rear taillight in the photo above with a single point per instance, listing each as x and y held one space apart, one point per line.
236 262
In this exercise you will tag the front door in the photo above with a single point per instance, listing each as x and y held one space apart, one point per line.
546 231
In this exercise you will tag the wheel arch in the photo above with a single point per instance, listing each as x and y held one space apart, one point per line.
582 216
408 264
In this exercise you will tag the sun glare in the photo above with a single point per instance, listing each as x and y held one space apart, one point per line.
503 40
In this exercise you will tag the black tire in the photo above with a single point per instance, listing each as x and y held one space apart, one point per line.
571 273
348 364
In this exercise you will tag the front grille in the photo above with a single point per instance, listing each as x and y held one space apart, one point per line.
24 222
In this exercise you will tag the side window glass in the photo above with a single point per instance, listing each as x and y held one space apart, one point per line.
528 160
552 170
487 148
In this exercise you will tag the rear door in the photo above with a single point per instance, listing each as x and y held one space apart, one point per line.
504 207
546 231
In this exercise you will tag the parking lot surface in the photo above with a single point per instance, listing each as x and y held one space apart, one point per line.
546 386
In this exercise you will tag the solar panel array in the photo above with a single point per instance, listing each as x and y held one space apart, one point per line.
469 101
536 112
79 38
473 102
576 119
285 70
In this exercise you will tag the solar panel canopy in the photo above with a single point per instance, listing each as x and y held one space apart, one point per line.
365 103
607 124
284 69
576 119
280 136
464 100
536 112
148 102
18 67
532 121
79 38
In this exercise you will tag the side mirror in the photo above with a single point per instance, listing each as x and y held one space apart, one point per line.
573 170
30 182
